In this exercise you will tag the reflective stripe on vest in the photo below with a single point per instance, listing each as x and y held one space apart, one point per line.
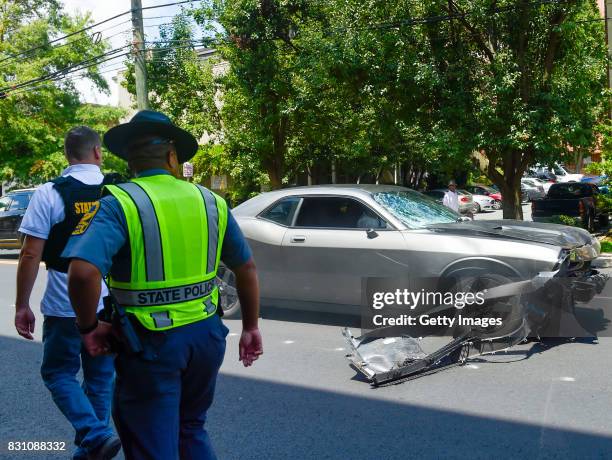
212 218
154 258
164 296
175 233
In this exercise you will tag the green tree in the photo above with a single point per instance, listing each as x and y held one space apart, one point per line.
34 118
521 81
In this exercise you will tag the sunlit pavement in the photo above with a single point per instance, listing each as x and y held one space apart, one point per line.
499 214
302 400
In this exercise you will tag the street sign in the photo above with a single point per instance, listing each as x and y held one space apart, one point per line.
187 169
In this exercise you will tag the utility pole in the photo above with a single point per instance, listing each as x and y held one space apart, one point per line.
142 92
608 17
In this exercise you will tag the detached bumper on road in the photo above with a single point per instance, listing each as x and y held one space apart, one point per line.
544 308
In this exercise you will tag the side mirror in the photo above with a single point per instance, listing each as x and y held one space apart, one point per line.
371 233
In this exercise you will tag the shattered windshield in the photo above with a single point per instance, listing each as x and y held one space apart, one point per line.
414 209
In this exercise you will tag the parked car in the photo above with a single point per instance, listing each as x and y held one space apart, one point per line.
480 189
313 250
575 199
481 202
558 171
12 209
533 189
546 184
466 203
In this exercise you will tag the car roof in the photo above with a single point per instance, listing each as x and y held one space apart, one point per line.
336 189
356 190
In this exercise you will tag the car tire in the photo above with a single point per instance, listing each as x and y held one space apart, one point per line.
477 208
228 296
497 205
503 308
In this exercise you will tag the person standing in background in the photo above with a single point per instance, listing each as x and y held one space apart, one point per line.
451 197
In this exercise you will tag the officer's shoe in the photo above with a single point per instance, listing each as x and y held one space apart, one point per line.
107 450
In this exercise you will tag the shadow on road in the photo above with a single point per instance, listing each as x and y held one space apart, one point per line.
254 419
300 316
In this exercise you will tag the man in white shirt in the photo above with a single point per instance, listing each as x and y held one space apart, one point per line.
451 198
55 209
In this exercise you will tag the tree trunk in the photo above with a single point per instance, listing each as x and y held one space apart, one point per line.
579 160
276 177
511 204
509 180
510 188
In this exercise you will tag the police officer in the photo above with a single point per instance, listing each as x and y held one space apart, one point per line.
160 239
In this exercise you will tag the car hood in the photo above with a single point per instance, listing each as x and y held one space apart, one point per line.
553 234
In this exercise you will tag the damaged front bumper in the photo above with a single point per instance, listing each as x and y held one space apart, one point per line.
383 360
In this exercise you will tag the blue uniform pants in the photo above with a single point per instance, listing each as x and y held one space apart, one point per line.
160 404
86 405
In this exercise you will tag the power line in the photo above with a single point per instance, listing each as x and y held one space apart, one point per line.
88 63
84 29
64 70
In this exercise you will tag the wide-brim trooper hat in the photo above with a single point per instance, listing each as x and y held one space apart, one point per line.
150 123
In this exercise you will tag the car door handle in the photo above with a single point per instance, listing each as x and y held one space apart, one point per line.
298 239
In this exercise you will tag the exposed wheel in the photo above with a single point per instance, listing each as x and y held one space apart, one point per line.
228 295
509 311
477 208
497 204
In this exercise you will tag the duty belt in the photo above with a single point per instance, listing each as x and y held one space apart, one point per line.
164 296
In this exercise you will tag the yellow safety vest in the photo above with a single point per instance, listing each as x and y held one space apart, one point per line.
175 232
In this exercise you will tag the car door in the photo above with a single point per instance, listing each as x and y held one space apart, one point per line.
5 203
265 235
335 242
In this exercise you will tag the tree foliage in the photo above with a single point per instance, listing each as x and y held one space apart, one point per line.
366 86
35 118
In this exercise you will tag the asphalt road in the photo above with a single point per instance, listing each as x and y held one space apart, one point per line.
302 400
499 214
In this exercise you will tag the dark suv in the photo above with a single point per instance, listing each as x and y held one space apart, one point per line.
12 208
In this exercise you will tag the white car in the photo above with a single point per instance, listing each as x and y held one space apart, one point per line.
481 202
534 181
559 171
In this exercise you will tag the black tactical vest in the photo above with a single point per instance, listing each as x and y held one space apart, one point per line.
79 199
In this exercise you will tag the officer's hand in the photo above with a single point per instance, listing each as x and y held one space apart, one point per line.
24 321
97 342
250 346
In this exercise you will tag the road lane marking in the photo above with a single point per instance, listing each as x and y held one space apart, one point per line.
287 342
567 379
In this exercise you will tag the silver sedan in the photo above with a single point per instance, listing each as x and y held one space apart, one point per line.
315 245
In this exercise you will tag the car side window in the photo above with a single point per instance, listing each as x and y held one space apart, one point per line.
283 211
20 202
337 212
5 202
